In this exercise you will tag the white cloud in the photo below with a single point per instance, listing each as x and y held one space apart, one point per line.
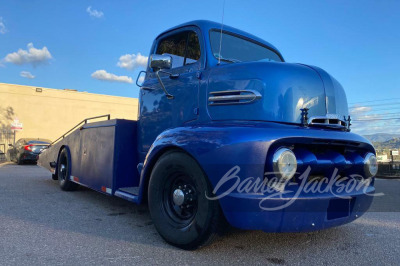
360 110
132 61
104 75
366 121
3 28
30 56
372 127
26 74
94 13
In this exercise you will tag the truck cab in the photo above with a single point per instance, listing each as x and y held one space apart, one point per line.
228 132
230 75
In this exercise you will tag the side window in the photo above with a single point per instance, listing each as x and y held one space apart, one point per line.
193 51
184 48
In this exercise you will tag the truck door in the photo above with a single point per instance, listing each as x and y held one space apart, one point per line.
157 112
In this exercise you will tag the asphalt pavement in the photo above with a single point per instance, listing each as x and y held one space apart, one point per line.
42 225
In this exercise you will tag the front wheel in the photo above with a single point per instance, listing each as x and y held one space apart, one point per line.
181 213
64 171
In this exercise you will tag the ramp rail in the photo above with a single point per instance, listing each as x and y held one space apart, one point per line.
80 123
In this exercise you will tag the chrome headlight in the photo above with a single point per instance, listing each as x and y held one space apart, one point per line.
370 165
284 163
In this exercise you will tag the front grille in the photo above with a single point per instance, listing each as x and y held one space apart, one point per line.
328 122
326 158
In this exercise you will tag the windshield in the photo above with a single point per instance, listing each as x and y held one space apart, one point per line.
237 49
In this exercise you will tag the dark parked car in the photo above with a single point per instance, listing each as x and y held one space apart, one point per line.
26 150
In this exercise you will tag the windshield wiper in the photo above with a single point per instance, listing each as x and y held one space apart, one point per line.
231 60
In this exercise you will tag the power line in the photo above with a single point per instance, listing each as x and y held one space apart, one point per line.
384 109
376 100
384 114
376 119
370 105
370 115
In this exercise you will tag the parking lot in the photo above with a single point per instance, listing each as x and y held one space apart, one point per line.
40 224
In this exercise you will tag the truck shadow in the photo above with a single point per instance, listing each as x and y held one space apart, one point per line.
94 214
132 223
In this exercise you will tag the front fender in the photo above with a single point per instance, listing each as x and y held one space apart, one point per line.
213 147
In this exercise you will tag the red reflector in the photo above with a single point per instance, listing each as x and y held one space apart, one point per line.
104 189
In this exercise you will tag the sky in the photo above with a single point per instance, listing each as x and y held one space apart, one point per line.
100 46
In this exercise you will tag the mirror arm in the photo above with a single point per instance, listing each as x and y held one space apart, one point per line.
169 96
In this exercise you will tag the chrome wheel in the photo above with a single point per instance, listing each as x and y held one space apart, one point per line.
180 200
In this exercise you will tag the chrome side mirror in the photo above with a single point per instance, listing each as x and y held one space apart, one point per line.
158 61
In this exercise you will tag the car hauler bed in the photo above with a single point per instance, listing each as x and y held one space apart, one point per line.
94 155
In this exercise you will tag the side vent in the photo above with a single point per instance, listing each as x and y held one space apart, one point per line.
233 97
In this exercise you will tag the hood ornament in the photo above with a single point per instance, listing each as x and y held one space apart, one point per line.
304 117
348 120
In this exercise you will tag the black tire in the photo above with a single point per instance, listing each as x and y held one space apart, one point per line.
194 223
19 161
64 171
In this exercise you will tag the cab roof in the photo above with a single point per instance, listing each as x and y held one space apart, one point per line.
206 25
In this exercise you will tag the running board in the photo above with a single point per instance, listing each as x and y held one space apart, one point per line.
128 193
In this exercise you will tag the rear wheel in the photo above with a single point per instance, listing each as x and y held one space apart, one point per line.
19 161
64 171
182 214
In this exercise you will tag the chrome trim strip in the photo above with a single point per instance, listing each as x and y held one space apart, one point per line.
228 96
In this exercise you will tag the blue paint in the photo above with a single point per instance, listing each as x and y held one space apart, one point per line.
120 154
102 154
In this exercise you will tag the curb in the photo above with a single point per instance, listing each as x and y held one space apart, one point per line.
5 163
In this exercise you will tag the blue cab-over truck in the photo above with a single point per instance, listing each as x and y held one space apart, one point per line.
228 132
